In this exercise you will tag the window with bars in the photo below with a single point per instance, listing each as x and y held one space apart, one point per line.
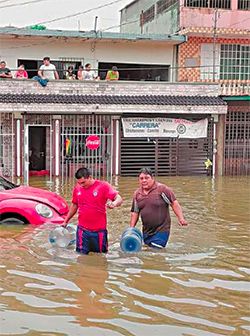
235 62
244 4
223 4
163 5
148 15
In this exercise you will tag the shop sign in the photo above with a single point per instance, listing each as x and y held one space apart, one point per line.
93 142
164 127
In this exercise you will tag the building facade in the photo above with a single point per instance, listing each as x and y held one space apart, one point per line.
47 129
129 52
217 50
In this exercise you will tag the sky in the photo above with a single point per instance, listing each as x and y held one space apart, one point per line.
21 13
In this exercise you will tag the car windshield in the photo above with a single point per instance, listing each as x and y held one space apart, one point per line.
6 185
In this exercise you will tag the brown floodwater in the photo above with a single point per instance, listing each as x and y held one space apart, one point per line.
198 285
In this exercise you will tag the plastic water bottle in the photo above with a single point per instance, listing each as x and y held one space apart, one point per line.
72 232
131 240
63 237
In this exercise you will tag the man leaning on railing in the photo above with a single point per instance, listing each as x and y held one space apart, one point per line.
4 72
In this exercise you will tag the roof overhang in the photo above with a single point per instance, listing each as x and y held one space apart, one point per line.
92 35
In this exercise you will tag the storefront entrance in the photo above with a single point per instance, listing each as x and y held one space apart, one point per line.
167 156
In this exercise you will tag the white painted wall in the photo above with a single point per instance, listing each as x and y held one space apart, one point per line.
118 51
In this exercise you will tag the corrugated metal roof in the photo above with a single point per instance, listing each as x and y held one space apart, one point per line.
176 39
110 99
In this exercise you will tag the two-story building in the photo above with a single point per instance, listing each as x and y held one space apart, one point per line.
217 50
160 123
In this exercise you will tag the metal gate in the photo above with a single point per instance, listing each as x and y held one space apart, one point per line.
7 145
167 156
74 154
237 143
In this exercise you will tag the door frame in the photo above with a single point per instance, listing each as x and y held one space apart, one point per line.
26 151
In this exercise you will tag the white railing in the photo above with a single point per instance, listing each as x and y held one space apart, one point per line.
234 88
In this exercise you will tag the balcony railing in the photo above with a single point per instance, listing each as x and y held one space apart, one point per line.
235 88
188 74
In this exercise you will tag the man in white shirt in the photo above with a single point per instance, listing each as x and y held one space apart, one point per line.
89 74
48 70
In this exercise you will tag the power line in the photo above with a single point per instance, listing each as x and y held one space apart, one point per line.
5 1
22 3
121 24
80 13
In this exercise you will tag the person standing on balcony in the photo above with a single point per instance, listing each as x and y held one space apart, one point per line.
21 73
48 70
4 72
80 73
91 198
70 73
88 74
113 74
151 201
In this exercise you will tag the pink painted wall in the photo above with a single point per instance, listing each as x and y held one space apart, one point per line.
203 17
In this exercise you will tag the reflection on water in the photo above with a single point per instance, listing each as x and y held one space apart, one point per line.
198 285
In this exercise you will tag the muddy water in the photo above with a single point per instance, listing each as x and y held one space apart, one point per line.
199 285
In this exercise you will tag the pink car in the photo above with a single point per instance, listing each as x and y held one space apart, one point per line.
27 205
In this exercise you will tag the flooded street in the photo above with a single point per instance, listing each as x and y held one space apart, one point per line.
198 285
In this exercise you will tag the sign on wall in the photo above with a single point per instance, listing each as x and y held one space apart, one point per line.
164 127
93 142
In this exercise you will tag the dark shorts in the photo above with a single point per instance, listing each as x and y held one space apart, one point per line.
91 241
158 240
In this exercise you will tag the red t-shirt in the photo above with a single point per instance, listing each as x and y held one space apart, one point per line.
91 204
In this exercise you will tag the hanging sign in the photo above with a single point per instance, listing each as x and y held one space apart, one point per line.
93 142
164 127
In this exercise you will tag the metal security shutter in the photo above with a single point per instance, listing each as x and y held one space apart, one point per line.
167 156
192 153
135 154
237 141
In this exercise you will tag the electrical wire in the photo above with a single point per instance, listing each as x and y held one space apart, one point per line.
121 24
80 13
5 1
22 3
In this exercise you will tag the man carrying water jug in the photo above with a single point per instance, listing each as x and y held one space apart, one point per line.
151 201
91 198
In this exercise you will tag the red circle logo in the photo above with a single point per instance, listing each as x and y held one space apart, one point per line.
92 142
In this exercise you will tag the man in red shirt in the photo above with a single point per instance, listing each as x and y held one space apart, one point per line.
151 201
91 198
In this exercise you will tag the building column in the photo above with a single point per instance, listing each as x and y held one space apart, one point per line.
18 151
220 132
116 145
56 145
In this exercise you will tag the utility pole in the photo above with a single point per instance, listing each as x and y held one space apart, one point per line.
215 19
141 21
95 25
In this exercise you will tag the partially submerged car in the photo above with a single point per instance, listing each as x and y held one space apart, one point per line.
28 205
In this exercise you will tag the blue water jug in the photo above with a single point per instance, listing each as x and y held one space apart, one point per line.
63 237
131 240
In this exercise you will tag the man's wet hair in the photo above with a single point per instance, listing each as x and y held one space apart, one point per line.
147 171
46 58
82 172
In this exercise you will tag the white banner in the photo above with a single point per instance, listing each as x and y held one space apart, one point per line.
164 127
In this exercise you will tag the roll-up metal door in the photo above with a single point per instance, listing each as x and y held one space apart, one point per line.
167 156
136 153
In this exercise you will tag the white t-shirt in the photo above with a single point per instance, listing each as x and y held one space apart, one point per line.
88 75
48 71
